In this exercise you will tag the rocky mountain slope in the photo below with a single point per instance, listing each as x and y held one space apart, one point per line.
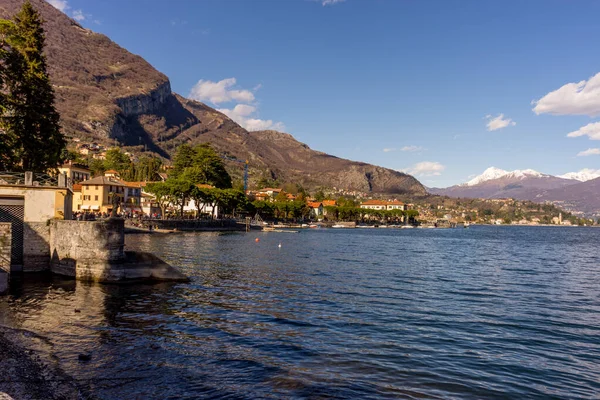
577 192
106 94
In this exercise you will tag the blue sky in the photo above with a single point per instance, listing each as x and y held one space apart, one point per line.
445 87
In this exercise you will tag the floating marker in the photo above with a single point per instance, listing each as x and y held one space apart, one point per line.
257 240
279 245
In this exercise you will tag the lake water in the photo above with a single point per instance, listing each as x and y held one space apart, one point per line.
478 313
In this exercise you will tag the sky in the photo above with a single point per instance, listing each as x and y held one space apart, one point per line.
439 89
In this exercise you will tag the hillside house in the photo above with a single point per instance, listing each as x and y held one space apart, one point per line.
316 209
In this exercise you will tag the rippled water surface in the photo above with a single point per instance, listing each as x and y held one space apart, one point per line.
485 312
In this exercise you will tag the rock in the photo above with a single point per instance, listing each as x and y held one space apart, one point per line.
84 357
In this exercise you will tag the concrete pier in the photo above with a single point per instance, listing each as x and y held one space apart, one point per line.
95 251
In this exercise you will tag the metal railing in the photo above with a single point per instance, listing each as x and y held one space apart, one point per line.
33 179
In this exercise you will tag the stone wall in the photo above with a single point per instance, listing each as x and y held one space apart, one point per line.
78 248
5 250
74 244
36 246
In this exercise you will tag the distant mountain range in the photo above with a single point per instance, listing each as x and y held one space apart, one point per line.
578 192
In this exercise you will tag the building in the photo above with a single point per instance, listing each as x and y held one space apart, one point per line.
75 172
97 194
190 206
77 198
29 202
316 209
132 196
383 205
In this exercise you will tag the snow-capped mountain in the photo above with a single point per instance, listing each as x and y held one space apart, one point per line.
574 191
488 175
496 173
584 175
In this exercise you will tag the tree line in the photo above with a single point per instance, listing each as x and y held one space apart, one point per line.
198 174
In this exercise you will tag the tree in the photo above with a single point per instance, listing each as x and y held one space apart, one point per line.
162 194
200 164
117 160
184 158
320 196
31 135
147 168
97 167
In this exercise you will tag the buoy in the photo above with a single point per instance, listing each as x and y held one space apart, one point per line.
279 245
257 240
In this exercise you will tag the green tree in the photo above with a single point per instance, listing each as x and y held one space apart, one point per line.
32 137
97 167
201 164
320 196
184 158
119 161
162 194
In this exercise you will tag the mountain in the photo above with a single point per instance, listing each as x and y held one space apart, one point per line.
581 197
584 175
575 192
107 95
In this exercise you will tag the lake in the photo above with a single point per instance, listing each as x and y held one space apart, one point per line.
479 313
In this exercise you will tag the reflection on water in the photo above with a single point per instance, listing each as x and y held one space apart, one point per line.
477 313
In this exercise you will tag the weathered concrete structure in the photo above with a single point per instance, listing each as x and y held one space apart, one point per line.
94 251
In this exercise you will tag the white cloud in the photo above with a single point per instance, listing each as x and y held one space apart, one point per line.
242 114
61 5
592 130
220 92
412 148
498 122
78 15
576 98
426 168
589 152
331 2
405 148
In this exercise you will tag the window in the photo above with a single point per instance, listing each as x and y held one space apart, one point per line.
96 197
96 187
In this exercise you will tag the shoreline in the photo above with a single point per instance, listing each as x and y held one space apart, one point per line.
29 371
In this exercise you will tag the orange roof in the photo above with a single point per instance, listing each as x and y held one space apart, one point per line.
135 184
315 204
374 203
329 203
396 203
77 187
111 171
